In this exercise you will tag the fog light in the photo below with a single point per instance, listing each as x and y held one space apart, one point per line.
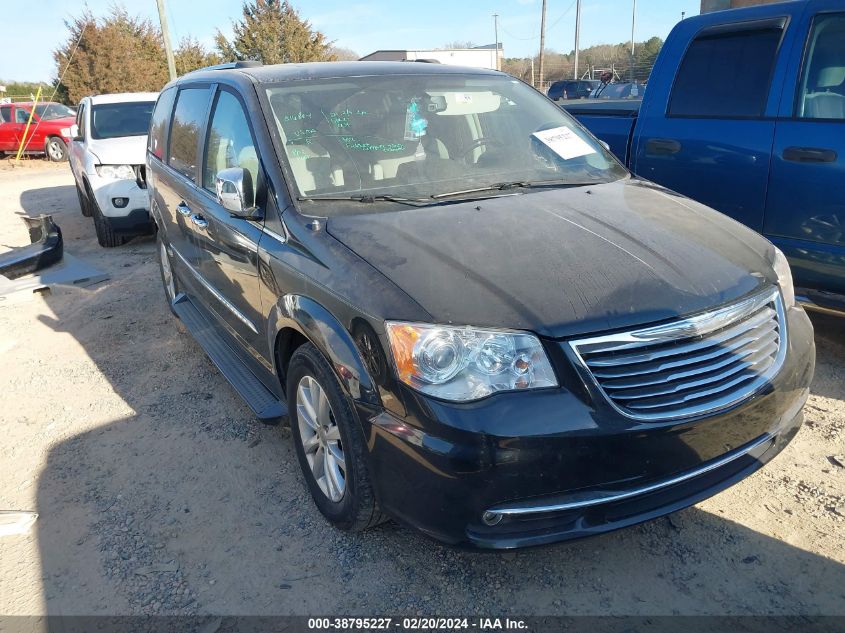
491 518
120 203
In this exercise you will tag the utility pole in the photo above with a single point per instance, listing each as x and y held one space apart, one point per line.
165 35
496 32
577 35
542 43
633 45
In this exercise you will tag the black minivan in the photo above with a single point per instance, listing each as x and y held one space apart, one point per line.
475 319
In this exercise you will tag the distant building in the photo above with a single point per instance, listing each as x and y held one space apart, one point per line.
478 57
717 5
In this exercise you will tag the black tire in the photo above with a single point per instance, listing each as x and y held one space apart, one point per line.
357 509
83 203
56 149
106 237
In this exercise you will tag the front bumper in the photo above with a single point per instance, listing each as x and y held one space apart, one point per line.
105 191
522 469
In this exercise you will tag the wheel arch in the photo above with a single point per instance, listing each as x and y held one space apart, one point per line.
295 320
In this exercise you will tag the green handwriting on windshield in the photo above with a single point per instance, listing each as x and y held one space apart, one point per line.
343 118
350 142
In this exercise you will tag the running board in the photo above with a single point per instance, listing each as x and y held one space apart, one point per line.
266 406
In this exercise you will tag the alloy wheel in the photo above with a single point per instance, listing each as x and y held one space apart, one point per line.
320 437
167 273
55 150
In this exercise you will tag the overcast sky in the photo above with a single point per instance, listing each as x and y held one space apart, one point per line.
361 26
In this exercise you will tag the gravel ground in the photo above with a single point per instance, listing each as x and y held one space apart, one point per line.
157 492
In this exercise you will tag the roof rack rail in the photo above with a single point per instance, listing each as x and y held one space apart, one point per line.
244 63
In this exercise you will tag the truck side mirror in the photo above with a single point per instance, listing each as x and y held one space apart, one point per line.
74 132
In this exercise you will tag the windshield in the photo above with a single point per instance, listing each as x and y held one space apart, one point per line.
47 111
423 136
112 120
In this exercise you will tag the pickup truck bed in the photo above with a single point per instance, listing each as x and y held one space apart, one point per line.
762 141
611 121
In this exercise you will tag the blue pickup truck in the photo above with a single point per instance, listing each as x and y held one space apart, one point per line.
745 112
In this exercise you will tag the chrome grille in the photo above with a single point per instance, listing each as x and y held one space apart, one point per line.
692 366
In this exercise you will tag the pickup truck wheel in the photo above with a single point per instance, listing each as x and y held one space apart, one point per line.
56 149
106 237
329 443
83 203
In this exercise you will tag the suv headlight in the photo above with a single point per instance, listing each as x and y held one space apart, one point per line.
781 266
116 172
465 363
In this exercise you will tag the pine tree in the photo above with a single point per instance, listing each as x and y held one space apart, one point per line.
272 32
119 53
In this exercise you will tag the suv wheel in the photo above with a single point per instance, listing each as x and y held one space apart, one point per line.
56 149
329 443
83 203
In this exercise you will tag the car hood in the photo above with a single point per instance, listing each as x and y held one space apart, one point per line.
125 150
563 262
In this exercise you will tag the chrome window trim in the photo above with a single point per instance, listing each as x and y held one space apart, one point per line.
696 325
216 293
271 233
750 449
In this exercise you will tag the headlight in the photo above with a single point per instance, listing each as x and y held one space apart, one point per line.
65 132
464 363
784 274
116 172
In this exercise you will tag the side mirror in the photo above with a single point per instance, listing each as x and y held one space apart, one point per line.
234 191
74 132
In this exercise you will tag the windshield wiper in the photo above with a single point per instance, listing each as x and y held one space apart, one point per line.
516 184
369 199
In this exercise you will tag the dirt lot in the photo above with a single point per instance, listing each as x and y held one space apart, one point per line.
158 493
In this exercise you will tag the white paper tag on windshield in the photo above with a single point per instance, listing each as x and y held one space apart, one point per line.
564 142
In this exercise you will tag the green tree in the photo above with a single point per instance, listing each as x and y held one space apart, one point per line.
190 55
272 32
118 53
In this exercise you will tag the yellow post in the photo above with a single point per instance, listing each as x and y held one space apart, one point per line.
28 123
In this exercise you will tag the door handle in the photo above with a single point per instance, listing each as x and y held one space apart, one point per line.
183 209
809 155
199 222
662 146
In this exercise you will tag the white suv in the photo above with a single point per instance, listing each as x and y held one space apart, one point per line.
107 155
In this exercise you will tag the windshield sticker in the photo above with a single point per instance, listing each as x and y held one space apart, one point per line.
415 125
564 142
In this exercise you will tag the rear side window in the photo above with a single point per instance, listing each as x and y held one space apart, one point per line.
726 74
158 124
188 119
6 114
823 79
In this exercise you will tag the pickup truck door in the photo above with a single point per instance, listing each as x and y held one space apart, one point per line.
707 124
34 135
7 128
805 213
227 246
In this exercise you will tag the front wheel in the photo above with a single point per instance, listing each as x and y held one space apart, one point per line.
329 443
56 149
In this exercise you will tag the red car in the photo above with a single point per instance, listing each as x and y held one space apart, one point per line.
49 131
